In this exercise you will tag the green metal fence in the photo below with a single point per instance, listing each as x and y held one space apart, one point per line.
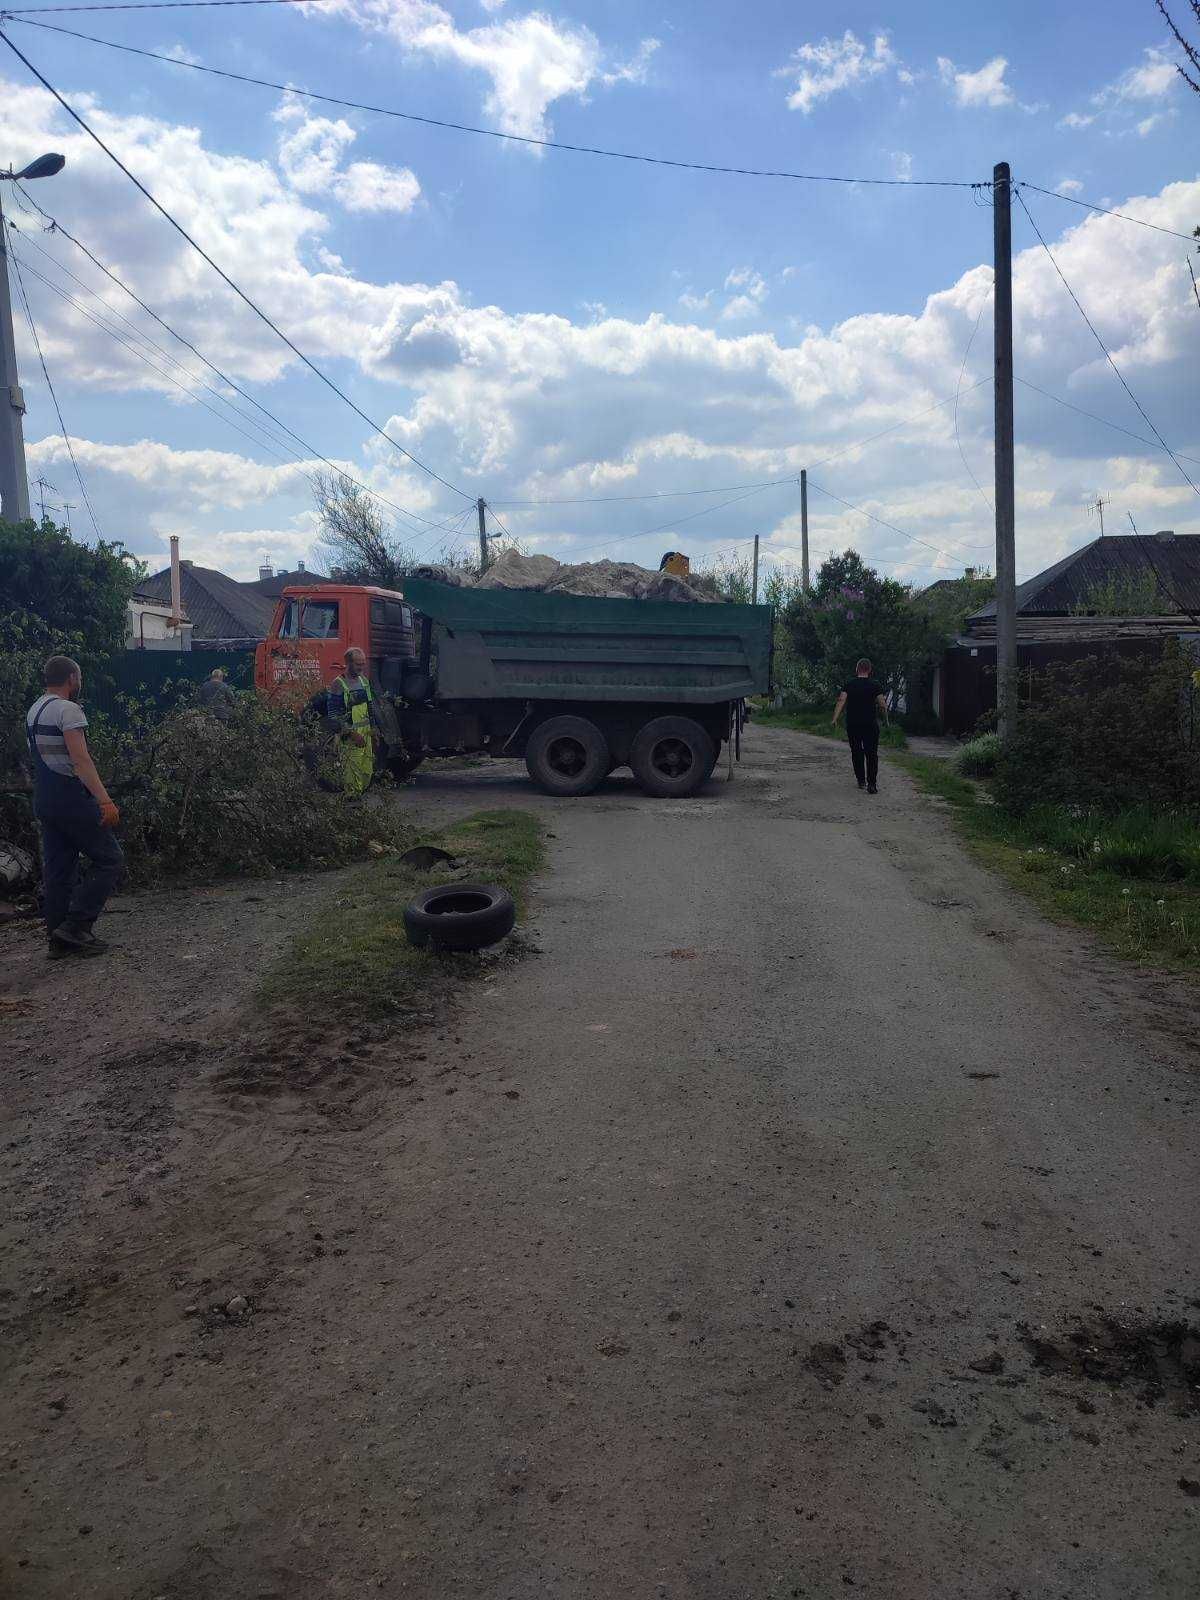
161 677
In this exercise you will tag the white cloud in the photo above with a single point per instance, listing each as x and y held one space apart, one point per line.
1122 103
902 165
310 157
531 403
986 87
1069 186
1150 80
820 70
637 69
532 60
1148 124
1076 119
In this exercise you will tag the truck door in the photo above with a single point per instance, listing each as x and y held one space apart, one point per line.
306 648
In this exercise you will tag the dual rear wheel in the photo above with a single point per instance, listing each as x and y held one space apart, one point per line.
671 756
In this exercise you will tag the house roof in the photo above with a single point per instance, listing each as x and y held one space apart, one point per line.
218 607
1065 587
274 586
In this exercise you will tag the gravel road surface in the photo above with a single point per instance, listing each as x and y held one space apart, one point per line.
807 1217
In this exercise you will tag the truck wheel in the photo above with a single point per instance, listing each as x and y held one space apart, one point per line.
460 916
672 756
567 756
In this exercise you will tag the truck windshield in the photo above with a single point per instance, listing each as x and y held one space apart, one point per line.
287 626
319 619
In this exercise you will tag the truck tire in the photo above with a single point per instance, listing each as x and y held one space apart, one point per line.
567 756
460 916
671 757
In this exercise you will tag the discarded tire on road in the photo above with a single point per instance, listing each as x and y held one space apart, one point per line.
672 757
460 916
567 756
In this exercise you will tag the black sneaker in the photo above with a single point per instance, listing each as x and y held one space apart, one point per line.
872 788
862 786
73 940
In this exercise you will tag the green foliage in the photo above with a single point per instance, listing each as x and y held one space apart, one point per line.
977 758
1124 595
203 798
359 946
1106 734
949 604
78 591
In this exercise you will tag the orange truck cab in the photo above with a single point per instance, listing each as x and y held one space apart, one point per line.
313 628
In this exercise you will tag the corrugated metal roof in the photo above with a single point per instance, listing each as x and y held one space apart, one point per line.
218 607
1067 585
275 585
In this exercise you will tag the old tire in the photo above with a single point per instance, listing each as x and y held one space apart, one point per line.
460 916
567 756
672 756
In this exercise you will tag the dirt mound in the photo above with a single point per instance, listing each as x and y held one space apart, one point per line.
610 580
1161 1359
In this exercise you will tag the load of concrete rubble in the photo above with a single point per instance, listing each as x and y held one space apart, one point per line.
615 580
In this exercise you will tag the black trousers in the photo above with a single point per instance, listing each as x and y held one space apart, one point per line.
864 752
70 826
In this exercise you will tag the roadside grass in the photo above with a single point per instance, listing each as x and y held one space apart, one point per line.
357 963
1133 878
891 737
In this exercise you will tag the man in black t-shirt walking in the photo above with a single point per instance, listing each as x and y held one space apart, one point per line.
859 699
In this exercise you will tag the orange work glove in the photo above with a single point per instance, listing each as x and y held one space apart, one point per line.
109 815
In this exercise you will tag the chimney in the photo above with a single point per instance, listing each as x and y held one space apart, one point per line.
968 572
300 566
265 572
1165 535
176 585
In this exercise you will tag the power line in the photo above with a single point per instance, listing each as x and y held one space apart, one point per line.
1128 432
221 273
310 450
957 435
654 494
57 408
1104 347
490 133
153 5
861 444
1104 211
883 523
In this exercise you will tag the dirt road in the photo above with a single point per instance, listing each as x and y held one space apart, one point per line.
731 1248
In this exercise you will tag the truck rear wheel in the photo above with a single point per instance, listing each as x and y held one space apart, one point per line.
567 756
672 756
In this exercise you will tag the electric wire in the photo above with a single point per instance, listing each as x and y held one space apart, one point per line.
151 5
492 133
1104 211
962 373
882 521
893 427
55 226
54 398
224 276
1095 417
653 494
1104 348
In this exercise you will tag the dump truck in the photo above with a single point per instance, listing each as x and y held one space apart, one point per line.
577 686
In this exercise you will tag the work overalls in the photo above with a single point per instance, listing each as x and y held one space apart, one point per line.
351 706
70 822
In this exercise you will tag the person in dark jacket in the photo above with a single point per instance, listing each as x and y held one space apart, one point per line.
215 695
74 812
861 699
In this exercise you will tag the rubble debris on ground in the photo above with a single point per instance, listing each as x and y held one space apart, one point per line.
617 580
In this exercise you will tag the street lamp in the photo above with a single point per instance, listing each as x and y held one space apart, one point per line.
14 484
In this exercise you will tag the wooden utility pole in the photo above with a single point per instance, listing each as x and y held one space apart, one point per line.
754 587
1006 555
804 529
483 555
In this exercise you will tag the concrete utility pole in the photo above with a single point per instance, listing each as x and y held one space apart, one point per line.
804 529
481 507
754 586
14 480
1006 555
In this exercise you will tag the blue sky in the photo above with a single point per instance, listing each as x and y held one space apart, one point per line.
553 325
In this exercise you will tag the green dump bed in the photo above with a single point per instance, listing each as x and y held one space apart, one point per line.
511 644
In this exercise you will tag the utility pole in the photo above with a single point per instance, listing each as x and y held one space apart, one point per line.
481 507
754 589
1098 508
1006 554
804 529
14 481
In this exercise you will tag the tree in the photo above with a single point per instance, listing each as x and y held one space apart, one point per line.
71 588
360 547
1191 51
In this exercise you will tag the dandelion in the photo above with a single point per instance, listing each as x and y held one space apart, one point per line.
1126 891
1096 847
1161 904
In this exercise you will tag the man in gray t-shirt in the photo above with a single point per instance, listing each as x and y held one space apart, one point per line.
215 695
74 812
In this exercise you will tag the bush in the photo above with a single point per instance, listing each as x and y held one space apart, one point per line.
977 758
204 798
1106 735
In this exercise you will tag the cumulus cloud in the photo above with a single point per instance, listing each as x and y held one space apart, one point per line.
528 404
1122 104
310 157
531 60
826 68
985 87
